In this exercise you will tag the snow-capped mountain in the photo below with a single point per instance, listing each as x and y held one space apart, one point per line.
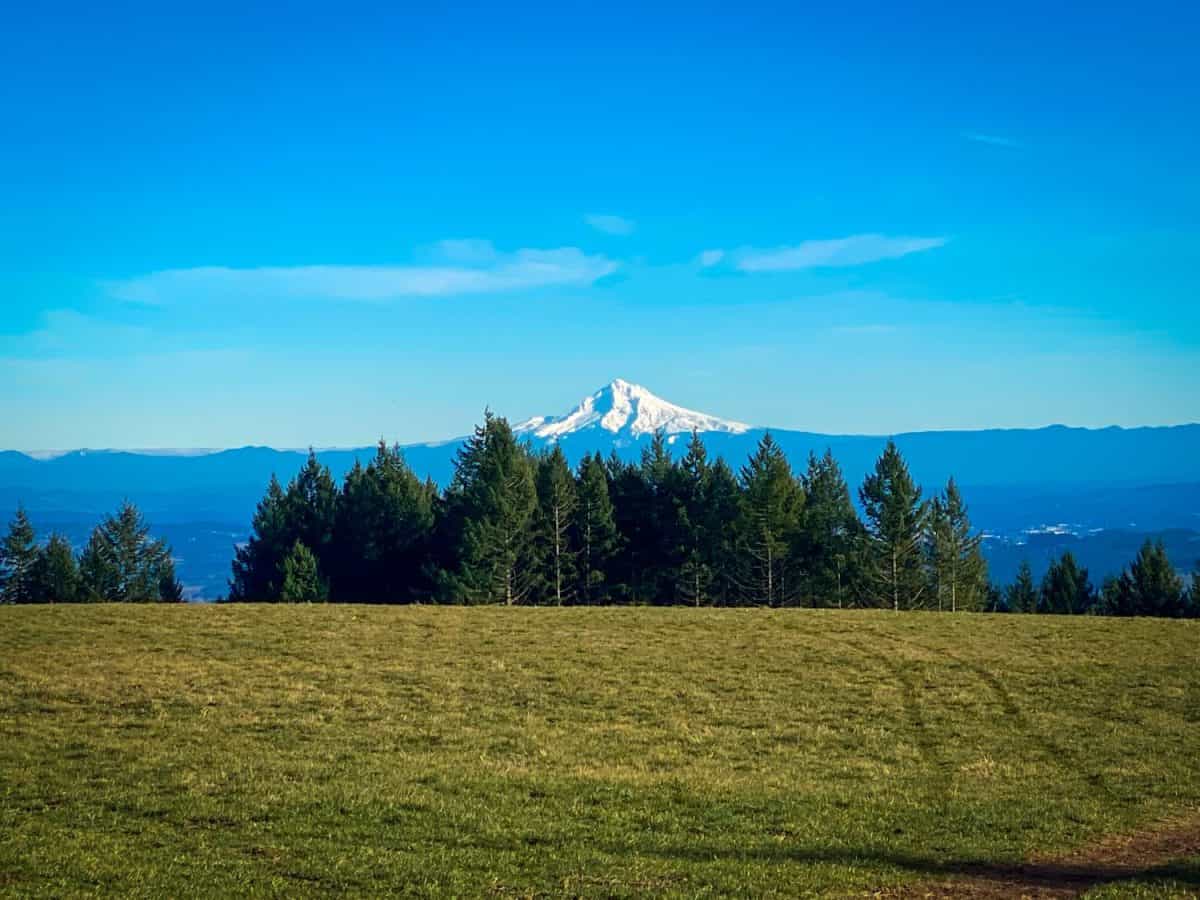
1015 478
625 410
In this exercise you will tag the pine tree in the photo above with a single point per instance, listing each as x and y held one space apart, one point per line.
633 508
1150 586
830 535
305 512
723 502
1022 594
170 590
596 530
692 526
494 490
18 559
258 562
896 519
772 505
384 520
97 570
56 574
956 558
352 575
995 600
310 510
302 581
122 563
557 503
662 560
1065 588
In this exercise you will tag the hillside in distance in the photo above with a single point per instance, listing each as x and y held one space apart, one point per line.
624 417
1068 483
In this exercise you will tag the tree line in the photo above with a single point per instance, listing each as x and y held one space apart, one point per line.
519 527
516 526
121 562
1148 586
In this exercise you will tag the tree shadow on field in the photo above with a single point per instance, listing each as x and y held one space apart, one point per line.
1060 877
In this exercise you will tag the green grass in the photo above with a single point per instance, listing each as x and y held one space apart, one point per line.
176 751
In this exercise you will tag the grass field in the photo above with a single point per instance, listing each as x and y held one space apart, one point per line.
177 751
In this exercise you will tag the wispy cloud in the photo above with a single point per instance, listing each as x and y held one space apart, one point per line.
469 267
610 224
994 140
710 258
855 250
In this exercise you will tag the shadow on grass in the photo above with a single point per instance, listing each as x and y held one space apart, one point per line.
1050 877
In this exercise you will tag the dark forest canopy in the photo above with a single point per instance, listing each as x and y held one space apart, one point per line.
518 526
515 526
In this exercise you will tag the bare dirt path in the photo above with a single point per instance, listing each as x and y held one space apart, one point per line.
1145 854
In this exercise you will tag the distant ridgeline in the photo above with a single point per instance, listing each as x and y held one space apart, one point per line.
519 526
1034 493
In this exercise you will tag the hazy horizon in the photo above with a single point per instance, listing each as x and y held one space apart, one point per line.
45 452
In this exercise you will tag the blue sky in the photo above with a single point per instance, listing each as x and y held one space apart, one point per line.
320 225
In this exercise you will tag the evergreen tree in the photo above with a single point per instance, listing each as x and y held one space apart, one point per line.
772 504
722 509
831 534
1066 589
662 560
352 578
383 523
995 600
596 530
122 563
692 526
557 503
633 507
896 519
956 558
1110 599
1150 586
258 563
310 510
169 588
494 490
302 581
1022 595
97 570
18 559
56 574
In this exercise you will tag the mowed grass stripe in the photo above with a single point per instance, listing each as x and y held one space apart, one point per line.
618 751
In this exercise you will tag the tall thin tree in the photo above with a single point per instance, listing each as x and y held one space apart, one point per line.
772 504
896 518
557 502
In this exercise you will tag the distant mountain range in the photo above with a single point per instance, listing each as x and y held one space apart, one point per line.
1073 481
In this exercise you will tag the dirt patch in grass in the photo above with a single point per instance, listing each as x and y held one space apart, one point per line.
1141 856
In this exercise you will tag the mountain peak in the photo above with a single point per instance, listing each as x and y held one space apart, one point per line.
624 408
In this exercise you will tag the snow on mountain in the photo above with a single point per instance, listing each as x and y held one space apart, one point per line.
628 410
